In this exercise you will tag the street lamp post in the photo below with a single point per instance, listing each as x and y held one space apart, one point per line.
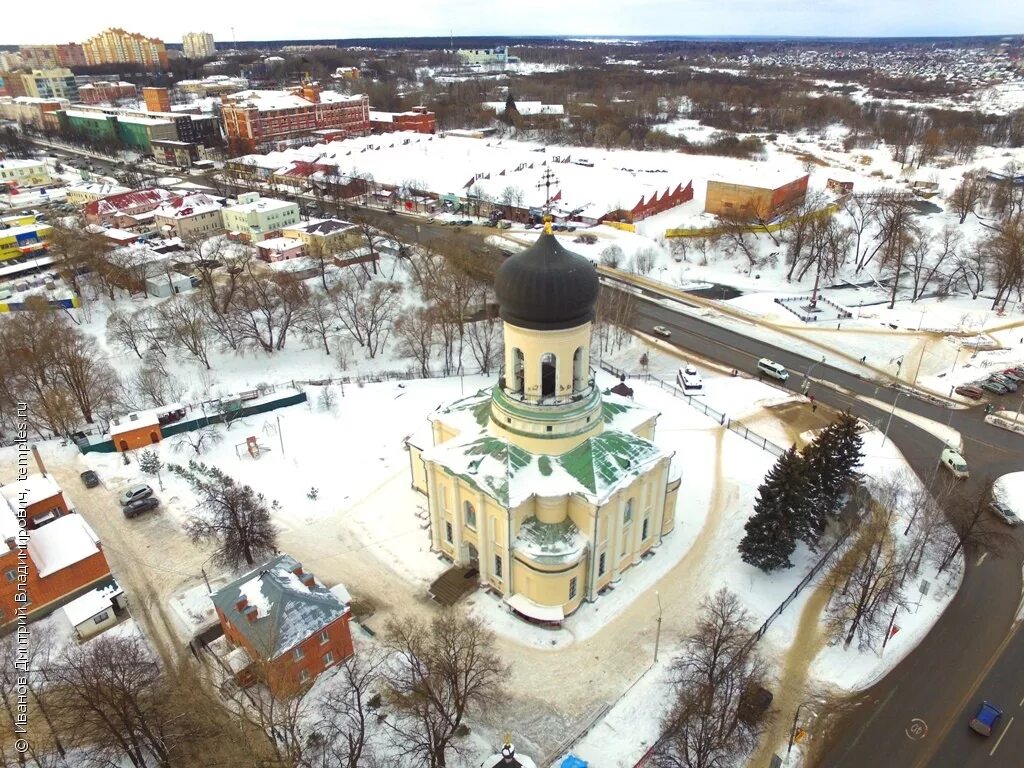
807 376
885 434
952 385
657 633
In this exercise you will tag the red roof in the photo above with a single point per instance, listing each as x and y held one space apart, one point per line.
131 202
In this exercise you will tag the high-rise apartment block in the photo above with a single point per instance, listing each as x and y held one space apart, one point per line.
115 46
197 45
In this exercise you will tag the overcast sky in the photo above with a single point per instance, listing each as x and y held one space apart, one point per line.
68 20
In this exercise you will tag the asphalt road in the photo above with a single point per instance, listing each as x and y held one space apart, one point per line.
944 679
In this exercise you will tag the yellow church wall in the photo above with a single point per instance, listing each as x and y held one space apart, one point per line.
550 587
417 469
535 344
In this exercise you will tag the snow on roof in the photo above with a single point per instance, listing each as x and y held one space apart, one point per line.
595 469
288 610
268 101
83 608
147 418
136 198
62 543
322 226
26 229
9 527
33 489
138 120
279 244
262 204
14 162
121 235
189 205
95 188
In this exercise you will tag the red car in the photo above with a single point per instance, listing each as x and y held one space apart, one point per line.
970 391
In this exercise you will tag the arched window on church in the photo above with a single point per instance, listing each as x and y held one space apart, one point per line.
579 376
469 515
548 374
517 371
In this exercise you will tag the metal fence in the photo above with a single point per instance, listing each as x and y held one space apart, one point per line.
695 402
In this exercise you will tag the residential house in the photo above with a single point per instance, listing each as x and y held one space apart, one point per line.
124 209
168 282
15 172
289 625
135 430
325 235
417 119
280 249
80 194
41 498
190 217
42 569
253 218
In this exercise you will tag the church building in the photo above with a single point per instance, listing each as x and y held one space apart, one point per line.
549 488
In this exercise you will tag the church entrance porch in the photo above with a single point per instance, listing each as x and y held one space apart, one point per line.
454 584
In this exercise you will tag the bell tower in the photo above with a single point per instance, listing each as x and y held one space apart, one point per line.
546 400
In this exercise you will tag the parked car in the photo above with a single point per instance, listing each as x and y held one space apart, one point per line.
134 493
993 386
985 721
1013 375
661 330
138 506
90 479
971 391
1018 369
954 462
689 379
1003 512
1006 382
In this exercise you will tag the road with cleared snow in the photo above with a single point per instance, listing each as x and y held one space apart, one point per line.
949 673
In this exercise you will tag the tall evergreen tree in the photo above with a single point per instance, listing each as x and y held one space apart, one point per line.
770 536
832 458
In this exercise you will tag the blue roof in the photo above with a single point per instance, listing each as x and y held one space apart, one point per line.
573 762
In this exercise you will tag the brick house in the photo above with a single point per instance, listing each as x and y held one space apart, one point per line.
118 210
59 561
289 625
41 496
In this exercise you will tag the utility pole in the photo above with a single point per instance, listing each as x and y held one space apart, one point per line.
657 633
280 435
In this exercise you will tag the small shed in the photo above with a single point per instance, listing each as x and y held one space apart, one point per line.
136 430
168 284
96 610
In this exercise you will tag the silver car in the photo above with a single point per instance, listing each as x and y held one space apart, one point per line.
134 493
1003 512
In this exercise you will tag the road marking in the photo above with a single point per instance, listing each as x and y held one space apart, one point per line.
917 729
870 720
981 559
1021 703
1000 739
968 696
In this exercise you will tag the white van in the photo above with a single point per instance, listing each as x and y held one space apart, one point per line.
954 462
773 369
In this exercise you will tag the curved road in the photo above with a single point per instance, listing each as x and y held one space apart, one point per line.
972 652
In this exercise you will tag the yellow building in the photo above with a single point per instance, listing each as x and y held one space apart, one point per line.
24 173
548 487
115 46
332 236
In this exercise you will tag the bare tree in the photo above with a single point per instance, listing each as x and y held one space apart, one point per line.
125 330
968 195
183 323
1005 249
485 341
340 735
440 672
612 256
868 579
416 332
366 310
706 726
972 528
318 317
112 697
643 260
234 516
198 440
266 308
926 262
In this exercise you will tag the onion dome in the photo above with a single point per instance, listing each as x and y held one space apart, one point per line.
546 287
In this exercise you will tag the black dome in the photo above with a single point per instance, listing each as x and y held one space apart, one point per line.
546 287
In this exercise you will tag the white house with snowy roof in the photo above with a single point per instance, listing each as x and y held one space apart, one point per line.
550 489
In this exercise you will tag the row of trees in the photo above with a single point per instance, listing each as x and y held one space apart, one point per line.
110 702
801 494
